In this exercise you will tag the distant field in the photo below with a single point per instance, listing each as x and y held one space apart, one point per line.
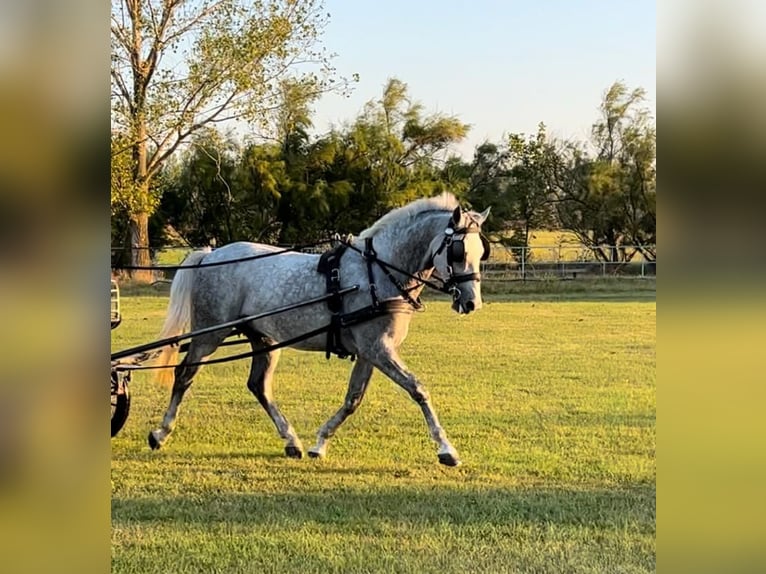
550 400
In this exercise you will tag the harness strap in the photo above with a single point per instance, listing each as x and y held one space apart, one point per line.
264 350
417 278
329 264
371 257
347 320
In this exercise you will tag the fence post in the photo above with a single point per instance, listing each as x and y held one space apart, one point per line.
523 262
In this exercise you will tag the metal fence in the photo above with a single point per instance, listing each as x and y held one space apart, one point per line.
565 261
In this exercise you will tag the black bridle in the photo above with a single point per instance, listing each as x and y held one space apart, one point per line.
455 254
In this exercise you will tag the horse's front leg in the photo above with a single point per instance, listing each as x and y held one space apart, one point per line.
357 385
394 368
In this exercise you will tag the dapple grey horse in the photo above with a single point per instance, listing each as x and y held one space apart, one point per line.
411 238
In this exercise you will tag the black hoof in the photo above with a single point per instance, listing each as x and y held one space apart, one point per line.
313 454
154 444
293 452
449 460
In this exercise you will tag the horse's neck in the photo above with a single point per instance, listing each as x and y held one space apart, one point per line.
408 246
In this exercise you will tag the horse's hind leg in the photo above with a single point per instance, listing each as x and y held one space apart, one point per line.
393 367
357 385
184 373
260 382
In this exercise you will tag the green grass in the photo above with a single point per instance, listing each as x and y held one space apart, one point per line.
551 404
585 288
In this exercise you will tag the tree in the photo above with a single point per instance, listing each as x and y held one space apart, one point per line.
401 145
347 179
529 187
608 198
179 66
124 199
202 201
514 178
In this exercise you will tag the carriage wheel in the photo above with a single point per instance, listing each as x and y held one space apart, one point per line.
120 400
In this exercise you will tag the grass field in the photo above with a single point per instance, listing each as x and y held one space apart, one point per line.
550 401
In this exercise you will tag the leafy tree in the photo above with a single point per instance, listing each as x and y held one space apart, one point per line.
178 67
347 179
124 200
262 176
529 186
401 145
202 201
513 178
608 198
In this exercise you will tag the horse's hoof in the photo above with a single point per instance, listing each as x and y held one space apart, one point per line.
449 459
293 452
315 454
154 444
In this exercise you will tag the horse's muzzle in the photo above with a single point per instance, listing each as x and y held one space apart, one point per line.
465 308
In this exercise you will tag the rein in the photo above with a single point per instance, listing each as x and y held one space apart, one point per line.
371 257
217 263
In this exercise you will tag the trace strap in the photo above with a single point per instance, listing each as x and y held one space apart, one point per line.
228 325
267 349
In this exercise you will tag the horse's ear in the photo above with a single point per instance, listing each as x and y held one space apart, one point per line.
457 215
483 215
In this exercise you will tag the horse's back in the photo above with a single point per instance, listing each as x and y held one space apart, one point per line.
252 286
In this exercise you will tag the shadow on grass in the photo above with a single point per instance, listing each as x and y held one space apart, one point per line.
632 507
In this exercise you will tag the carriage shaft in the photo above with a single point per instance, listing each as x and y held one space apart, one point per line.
234 323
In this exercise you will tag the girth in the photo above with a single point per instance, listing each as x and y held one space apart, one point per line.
329 265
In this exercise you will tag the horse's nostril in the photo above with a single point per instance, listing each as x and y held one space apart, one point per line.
469 306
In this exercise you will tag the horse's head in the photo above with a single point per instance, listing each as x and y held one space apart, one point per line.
457 260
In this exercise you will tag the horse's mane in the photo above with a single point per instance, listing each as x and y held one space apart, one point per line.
444 202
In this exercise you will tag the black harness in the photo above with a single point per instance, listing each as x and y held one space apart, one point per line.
329 265
456 254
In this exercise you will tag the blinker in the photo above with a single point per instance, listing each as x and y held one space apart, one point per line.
485 244
458 251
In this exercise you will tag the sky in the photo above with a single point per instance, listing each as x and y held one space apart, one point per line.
501 66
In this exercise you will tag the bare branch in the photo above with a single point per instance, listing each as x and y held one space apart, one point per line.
123 89
184 29
118 32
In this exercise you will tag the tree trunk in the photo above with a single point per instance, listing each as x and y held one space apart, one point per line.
139 246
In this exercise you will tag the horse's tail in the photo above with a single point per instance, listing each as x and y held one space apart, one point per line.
178 316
